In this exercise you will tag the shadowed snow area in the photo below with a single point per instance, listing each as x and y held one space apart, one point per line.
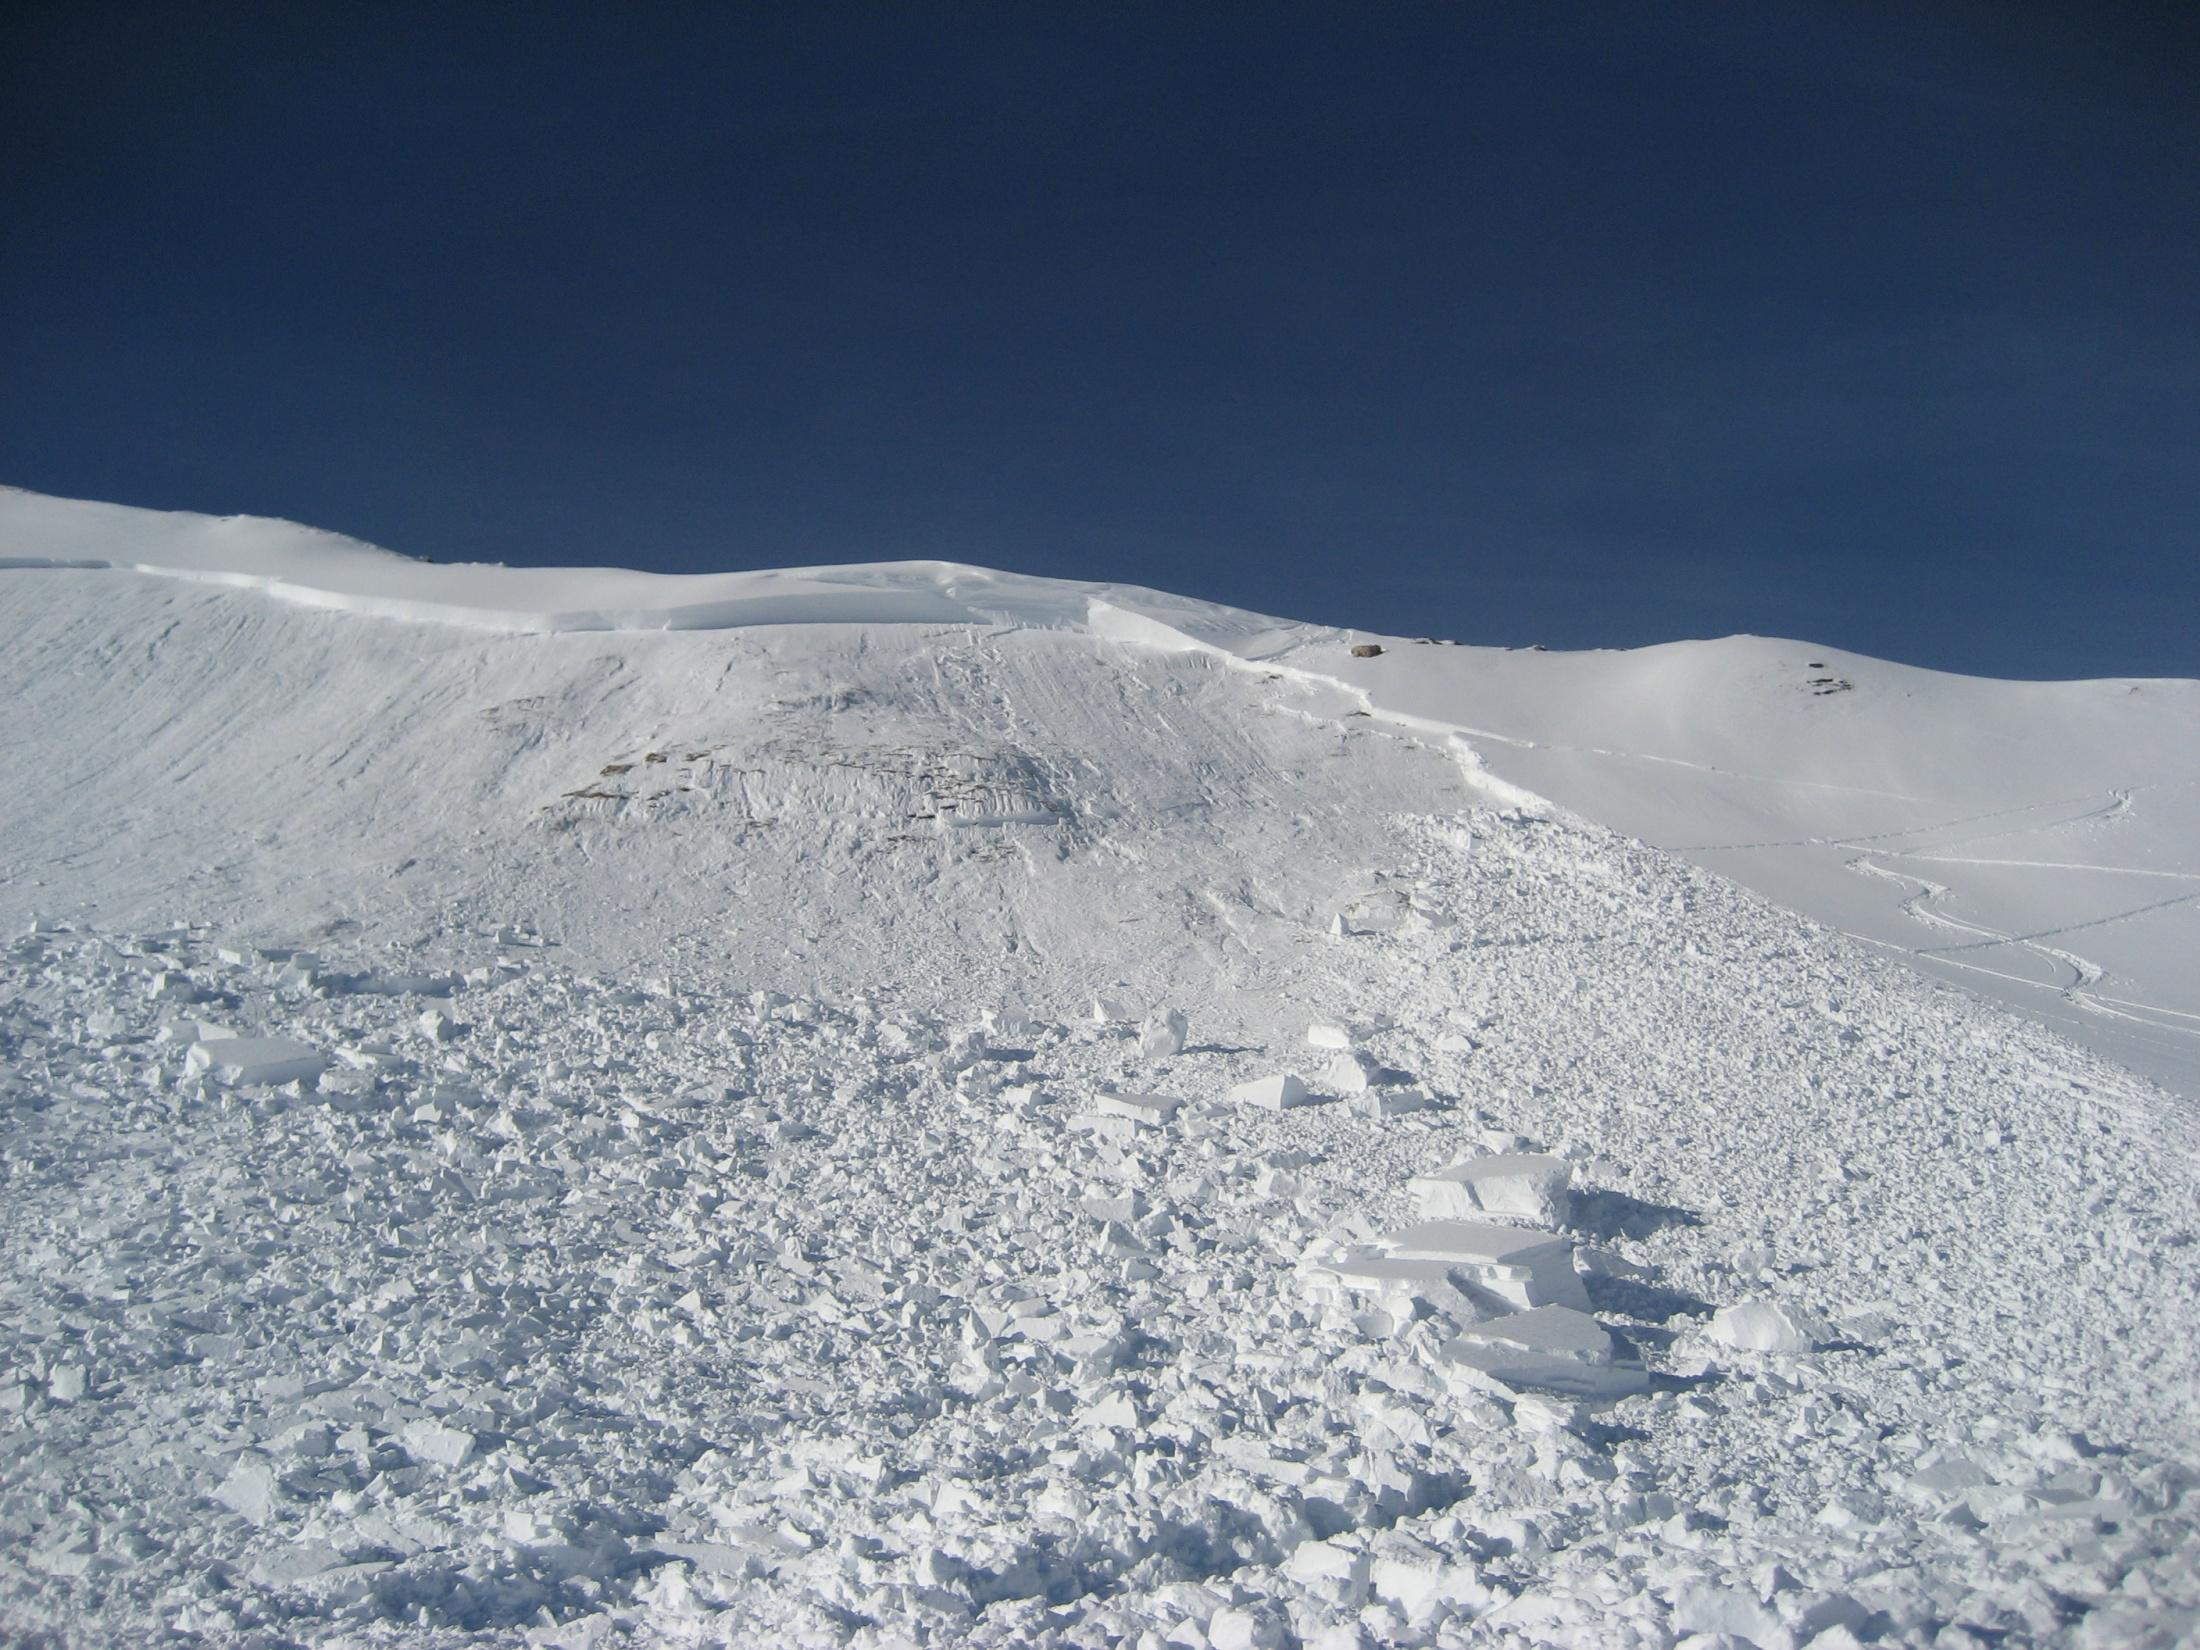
905 1104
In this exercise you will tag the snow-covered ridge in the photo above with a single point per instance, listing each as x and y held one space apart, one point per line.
319 569
2035 841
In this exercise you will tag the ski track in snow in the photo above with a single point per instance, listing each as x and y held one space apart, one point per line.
682 1139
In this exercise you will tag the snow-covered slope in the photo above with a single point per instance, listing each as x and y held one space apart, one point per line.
569 1106
2037 841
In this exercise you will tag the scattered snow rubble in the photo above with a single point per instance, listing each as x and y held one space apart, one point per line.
619 1309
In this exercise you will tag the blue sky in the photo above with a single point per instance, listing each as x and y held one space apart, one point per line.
1576 324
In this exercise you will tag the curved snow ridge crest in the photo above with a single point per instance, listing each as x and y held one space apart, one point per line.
311 568
1109 621
480 596
914 605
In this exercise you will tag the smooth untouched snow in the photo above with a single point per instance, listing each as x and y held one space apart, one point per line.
766 1157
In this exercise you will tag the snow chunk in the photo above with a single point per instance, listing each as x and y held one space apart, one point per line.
1552 1347
1239 1629
1528 1186
1391 1103
1324 1035
433 1441
1348 1073
1116 1412
1763 1326
244 1060
1147 1110
172 985
249 1490
1333 1570
438 1027
1162 1035
1526 1268
1273 1093
1382 911
1403 1287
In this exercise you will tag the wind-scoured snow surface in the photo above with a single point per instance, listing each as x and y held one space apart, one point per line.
581 1108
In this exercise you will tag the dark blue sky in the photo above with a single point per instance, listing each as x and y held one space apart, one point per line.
1580 324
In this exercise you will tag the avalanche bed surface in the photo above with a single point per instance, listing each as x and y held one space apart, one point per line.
909 1105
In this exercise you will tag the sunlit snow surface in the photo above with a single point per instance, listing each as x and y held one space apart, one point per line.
670 1183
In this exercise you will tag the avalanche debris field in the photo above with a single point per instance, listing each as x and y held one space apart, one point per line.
1030 1128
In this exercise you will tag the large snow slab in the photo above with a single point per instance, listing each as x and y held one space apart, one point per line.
241 1060
1552 1349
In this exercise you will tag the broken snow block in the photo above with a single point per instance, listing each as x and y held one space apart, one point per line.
1116 1130
438 1027
1550 1349
1117 1204
1525 1185
1335 1572
1162 1035
172 985
1391 1103
1235 1627
1546 1412
244 1060
1147 1110
1763 1326
1508 1263
446 1446
1404 1289
1324 1035
1417 1580
1115 1412
1348 1073
1383 911
1273 1093
250 1490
